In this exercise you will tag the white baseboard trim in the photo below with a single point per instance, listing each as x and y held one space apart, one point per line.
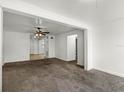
79 64
61 58
110 72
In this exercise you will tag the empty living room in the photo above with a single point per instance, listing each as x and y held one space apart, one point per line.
61 46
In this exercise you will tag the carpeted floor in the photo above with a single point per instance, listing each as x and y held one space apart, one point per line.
54 75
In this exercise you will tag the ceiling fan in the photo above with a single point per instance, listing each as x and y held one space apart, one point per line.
39 30
40 33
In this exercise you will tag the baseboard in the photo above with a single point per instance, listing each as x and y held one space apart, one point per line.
61 59
16 61
26 60
110 72
79 64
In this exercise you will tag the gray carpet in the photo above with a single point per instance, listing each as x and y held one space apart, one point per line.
54 75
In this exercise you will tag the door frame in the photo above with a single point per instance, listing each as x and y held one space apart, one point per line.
1 46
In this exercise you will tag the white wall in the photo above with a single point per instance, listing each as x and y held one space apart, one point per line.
109 47
61 45
16 46
51 46
71 47
1 46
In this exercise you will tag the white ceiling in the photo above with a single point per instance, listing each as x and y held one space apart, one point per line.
81 10
91 12
87 11
14 22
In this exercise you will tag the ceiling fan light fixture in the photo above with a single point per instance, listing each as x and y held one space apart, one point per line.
40 34
36 34
40 29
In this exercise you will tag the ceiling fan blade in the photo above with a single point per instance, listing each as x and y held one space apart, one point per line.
46 32
40 27
43 34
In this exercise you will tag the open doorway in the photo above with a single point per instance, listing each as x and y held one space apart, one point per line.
55 45
76 47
